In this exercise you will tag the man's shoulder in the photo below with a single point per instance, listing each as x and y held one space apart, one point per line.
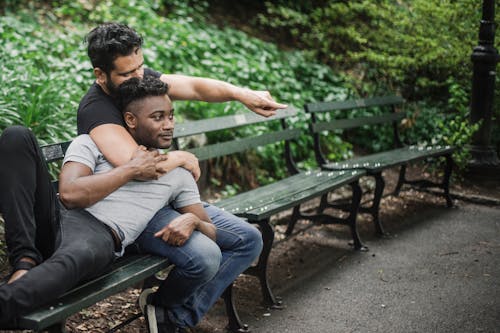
84 140
94 94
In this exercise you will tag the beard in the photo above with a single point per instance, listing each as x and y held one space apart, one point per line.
112 88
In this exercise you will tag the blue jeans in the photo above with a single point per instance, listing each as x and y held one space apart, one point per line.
203 268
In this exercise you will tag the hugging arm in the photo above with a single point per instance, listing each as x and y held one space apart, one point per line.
118 146
79 187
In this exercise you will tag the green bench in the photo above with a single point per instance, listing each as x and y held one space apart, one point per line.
126 272
259 204
340 116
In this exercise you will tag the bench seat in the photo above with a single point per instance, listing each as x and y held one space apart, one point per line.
345 116
391 158
126 272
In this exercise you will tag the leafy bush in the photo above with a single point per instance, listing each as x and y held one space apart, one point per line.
45 63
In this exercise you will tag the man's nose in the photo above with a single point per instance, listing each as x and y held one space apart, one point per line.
168 124
138 74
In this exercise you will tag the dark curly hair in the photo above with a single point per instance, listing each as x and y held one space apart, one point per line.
110 40
136 89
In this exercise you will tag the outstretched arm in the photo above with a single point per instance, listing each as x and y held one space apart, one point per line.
183 87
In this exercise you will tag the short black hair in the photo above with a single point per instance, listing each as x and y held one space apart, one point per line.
136 89
110 40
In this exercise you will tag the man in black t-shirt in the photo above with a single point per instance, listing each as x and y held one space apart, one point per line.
116 56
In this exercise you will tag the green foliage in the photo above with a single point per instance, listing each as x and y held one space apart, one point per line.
45 65
440 128
420 48
43 76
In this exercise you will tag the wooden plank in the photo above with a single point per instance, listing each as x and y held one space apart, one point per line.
357 122
242 144
386 159
265 201
227 122
54 152
353 104
265 194
130 272
326 184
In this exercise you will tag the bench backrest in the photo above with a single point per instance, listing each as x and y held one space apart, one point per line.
272 134
54 153
388 104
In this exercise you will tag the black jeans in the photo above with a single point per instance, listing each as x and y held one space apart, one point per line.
68 245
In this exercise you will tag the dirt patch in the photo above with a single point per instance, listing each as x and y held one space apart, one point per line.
292 261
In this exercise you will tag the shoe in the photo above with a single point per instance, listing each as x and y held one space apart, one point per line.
157 319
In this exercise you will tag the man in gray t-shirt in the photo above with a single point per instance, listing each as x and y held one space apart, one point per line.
190 241
128 209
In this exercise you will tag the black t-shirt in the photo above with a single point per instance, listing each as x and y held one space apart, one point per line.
98 108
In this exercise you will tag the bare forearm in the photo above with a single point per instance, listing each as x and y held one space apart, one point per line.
203 223
208 229
198 88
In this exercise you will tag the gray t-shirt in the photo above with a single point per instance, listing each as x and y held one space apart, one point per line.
129 209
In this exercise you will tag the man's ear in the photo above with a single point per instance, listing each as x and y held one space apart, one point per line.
100 76
130 119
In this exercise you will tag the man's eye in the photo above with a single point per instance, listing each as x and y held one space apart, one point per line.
158 118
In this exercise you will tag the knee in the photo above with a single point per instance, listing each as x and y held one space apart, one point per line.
205 263
252 240
14 137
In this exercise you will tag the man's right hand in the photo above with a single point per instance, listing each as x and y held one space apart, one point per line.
185 160
144 163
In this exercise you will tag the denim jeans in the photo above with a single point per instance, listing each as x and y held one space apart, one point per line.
203 268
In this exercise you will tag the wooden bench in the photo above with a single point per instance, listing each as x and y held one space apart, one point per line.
383 112
259 204
126 272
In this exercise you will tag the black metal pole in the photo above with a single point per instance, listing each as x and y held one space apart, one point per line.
484 162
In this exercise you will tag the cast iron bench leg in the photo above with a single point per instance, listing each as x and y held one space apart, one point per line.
260 270
351 219
234 323
375 208
401 179
293 220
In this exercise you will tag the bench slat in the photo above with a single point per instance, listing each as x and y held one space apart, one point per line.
262 202
227 122
323 185
54 152
239 145
357 122
353 104
125 273
262 195
386 159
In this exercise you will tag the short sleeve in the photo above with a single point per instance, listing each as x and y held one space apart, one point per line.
82 150
186 191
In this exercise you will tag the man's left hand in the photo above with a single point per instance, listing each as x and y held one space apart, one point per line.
260 102
177 232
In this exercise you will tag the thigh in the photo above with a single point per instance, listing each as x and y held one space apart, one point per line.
198 245
86 245
231 230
